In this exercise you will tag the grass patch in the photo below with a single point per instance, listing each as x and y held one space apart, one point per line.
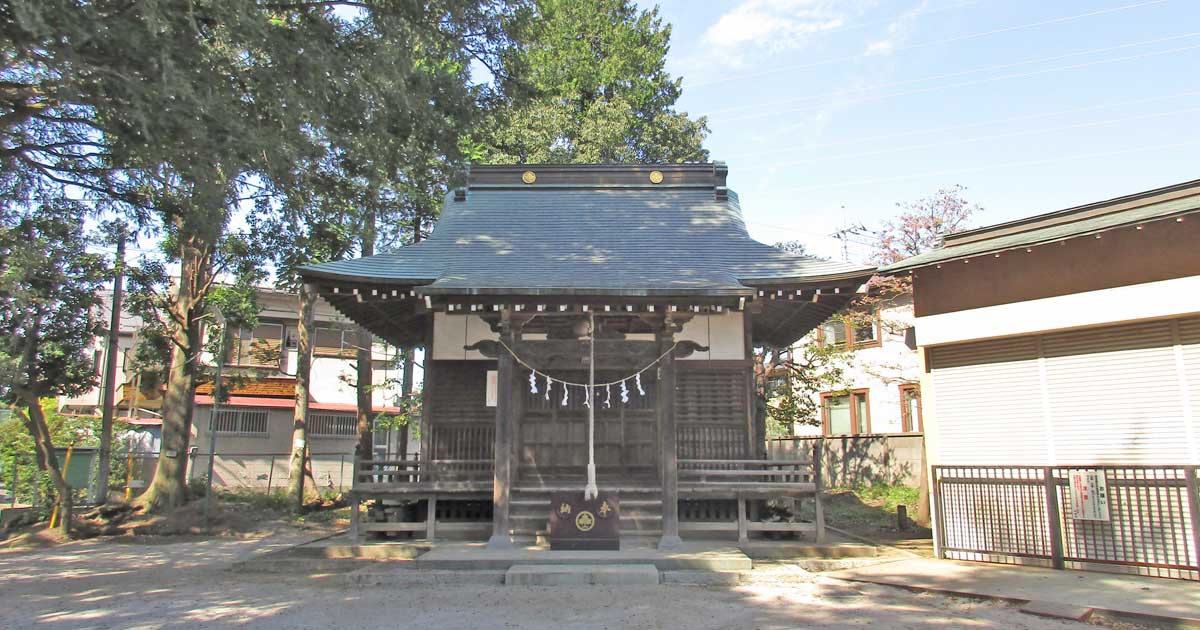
887 497
870 510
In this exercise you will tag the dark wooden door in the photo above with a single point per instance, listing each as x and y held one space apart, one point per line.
552 437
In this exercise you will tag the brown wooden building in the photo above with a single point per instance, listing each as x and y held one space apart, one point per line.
659 258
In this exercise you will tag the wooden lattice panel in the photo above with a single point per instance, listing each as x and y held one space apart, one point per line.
711 407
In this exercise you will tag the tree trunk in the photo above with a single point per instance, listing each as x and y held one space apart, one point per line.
35 422
110 372
363 356
169 488
308 301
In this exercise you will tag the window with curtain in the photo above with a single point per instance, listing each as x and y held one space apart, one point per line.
846 414
334 342
257 347
839 418
859 331
910 408
833 333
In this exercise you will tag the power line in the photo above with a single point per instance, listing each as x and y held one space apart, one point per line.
948 75
1081 156
948 40
997 136
983 123
1004 77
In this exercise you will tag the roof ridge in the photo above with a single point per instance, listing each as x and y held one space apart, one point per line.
1075 213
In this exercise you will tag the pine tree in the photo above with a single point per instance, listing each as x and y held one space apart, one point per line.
584 81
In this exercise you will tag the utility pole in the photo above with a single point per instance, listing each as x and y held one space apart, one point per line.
212 417
110 375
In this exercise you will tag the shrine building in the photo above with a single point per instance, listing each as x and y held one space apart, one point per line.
529 263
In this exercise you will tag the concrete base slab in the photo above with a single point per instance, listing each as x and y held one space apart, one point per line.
1057 610
789 550
340 548
581 575
691 556
1158 599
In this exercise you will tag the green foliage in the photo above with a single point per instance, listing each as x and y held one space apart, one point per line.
16 445
792 380
409 415
379 163
584 81
49 285
792 247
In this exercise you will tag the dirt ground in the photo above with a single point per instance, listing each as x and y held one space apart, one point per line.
178 582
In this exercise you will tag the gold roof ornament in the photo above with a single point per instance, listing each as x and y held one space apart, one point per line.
656 177
529 177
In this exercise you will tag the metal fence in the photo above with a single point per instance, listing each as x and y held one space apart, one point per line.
266 472
1138 519
269 471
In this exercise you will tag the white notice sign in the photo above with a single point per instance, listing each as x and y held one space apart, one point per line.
493 387
1089 495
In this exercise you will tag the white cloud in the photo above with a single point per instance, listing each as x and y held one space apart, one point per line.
768 25
897 31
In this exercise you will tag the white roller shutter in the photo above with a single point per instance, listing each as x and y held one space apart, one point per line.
1189 337
1114 395
1118 395
987 403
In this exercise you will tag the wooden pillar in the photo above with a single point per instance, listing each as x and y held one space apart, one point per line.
431 518
355 512
503 449
428 381
670 454
743 525
755 448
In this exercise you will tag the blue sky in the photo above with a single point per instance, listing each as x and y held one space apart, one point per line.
828 112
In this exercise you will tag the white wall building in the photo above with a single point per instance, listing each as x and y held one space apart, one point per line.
882 378
254 427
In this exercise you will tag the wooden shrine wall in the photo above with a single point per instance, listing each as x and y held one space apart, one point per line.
462 426
712 409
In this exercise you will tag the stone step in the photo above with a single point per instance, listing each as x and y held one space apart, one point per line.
625 518
637 550
542 511
544 504
581 574
541 534
550 489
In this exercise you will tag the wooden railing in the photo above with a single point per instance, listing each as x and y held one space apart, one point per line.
400 475
747 472
748 479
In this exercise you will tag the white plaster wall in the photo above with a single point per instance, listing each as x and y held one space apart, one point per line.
721 333
452 332
1151 300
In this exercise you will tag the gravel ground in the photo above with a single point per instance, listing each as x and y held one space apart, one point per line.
188 583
